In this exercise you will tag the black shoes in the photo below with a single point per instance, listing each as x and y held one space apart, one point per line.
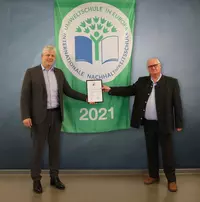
37 187
55 181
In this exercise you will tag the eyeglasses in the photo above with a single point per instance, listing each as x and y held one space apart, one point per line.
155 65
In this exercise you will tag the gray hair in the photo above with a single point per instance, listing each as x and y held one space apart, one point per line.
154 58
48 47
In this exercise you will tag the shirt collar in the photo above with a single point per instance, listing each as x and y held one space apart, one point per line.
157 80
51 69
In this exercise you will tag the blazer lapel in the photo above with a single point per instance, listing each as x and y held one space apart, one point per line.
160 90
57 75
161 82
40 76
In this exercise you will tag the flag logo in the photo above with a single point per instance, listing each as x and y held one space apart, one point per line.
95 41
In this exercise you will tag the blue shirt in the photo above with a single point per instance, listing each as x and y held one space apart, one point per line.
150 112
51 87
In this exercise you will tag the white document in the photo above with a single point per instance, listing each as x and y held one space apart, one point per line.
94 90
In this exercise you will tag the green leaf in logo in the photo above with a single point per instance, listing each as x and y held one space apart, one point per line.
96 19
105 30
103 20
96 34
109 24
99 26
114 29
89 20
78 29
87 30
92 27
83 24
96 28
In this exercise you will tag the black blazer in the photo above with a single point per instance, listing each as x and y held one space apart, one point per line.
34 95
168 101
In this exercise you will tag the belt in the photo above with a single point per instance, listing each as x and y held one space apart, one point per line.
54 109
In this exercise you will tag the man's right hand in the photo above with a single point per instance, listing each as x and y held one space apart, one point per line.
27 122
106 88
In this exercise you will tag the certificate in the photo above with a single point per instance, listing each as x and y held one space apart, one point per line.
94 90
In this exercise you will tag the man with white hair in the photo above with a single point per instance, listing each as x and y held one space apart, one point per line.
158 107
42 111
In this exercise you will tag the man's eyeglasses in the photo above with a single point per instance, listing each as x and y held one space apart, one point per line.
155 65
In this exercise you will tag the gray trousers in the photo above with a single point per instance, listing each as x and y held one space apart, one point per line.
48 130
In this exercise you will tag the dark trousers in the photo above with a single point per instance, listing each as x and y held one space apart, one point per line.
48 130
154 137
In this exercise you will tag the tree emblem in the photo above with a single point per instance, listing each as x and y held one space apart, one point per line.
96 28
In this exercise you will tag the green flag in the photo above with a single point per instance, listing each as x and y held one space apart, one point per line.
94 41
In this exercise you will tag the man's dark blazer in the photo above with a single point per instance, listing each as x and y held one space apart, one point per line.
34 94
168 101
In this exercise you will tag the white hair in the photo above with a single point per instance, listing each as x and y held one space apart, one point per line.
155 58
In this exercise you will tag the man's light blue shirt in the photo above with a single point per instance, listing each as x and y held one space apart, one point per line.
51 87
150 112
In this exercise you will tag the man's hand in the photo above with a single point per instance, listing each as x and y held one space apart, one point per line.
179 129
106 88
27 122
92 103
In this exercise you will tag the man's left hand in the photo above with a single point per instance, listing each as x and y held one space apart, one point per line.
179 129
92 103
